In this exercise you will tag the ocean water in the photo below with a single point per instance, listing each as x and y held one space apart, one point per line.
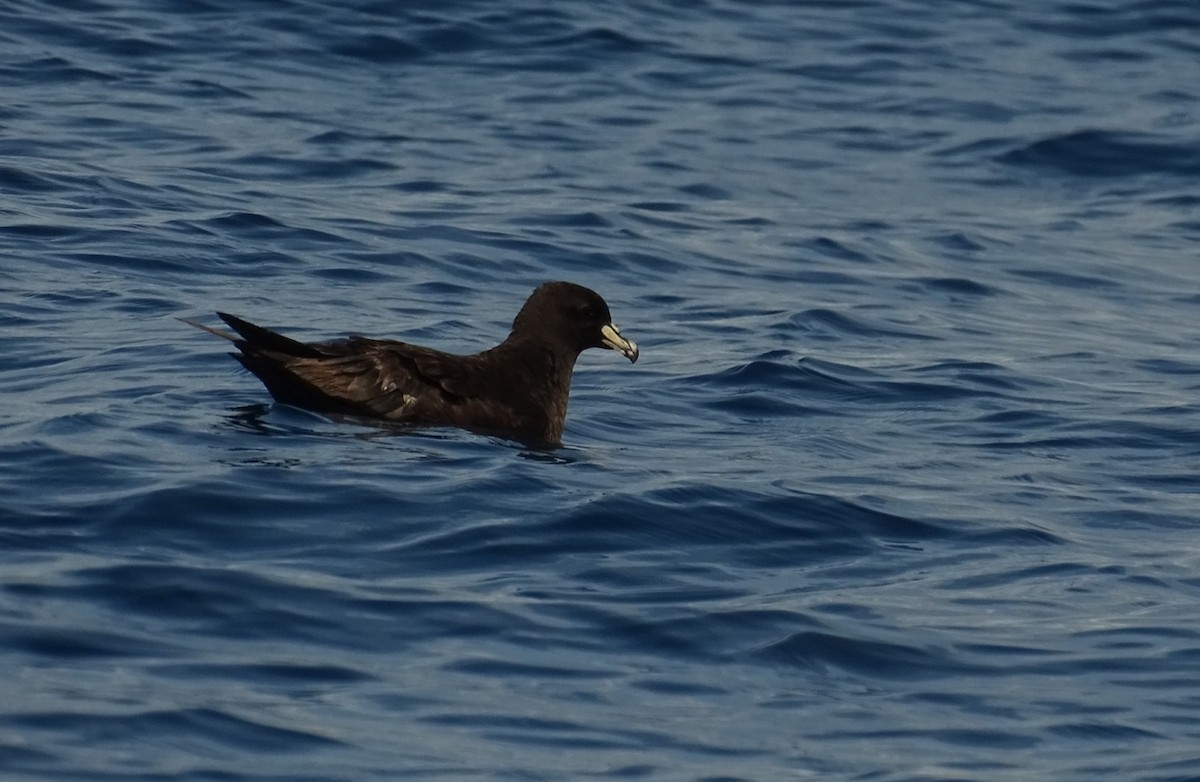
904 486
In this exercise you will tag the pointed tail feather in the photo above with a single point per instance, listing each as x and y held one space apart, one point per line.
258 339
209 329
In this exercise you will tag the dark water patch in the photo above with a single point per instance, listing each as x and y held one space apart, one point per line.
1145 636
643 262
342 138
1180 481
376 47
455 37
1081 20
341 168
967 154
1106 55
1025 442
968 702
519 246
135 262
135 47
1132 518
1117 435
420 186
1186 226
220 603
750 222
713 637
533 732
198 515
1102 731
288 168
980 374
959 241
625 583
813 379
502 668
352 276
764 529
1014 536
1004 650
194 595
758 405
16 756
246 223
772 371
817 277
956 286
287 675
1022 420
829 322
24 180
865 72
1169 366
706 191
49 70
1184 201
624 121
654 218
208 90
575 220
661 206
990 580
827 247
955 737
825 652
1101 153
560 46
771 386
39 231
683 689
540 724
1070 280
436 290
74 643
213 728
596 39
984 111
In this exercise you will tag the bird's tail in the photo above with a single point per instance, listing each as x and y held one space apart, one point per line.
254 339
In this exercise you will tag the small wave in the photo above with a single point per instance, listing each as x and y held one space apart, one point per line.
957 286
825 321
376 48
215 728
1100 153
863 657
759 528
773 380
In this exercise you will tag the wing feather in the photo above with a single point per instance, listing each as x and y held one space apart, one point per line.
392 379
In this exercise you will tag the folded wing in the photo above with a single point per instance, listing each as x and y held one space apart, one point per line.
359 376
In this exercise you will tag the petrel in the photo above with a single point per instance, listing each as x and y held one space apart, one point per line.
517 389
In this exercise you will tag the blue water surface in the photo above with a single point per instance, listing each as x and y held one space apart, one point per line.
904 486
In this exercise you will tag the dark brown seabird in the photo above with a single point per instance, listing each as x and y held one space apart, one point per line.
517 389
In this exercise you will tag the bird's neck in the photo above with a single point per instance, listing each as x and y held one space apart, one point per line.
548 372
